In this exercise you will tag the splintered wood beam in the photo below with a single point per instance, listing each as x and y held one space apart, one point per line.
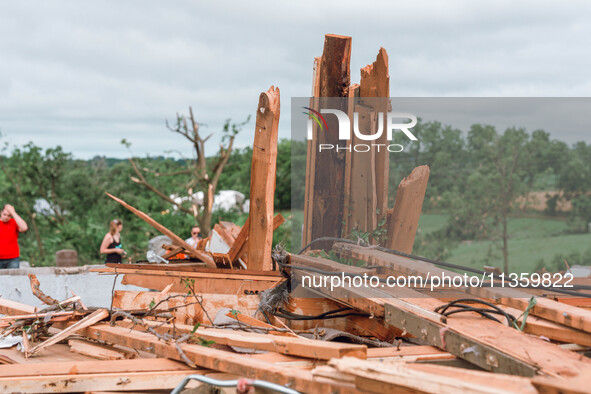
375 82
362 206
208 260
218 360
89 320
238 248
325 189
311 147
262 181
403 221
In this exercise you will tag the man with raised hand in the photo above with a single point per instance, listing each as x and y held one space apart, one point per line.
11 224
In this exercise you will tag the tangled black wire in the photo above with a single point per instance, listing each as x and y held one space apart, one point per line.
459 306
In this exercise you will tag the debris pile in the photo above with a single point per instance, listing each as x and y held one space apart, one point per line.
232 311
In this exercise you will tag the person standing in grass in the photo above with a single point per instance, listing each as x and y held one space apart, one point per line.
11 225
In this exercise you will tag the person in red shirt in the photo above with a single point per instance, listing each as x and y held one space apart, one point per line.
11 224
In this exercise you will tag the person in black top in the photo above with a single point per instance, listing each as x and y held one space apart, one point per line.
111 245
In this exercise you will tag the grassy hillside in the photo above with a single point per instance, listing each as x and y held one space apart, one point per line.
533 240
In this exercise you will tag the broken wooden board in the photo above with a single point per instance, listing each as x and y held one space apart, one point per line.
219 360
262 181
175 238
403 220
89 320
294 346
311 147
324 192
375 82
238 249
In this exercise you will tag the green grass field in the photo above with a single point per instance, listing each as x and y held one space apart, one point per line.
532 239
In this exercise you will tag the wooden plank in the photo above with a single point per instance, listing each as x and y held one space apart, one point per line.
549 385
219 360
234 275
172 252
89 320
353 93
547 329
138 382
240 241
363 197
375 82
404 219
329 167
94 366
311 147
238 249
160 269
202 284
262 181
102 352
175 238
376 377
293 346
381 352
8 307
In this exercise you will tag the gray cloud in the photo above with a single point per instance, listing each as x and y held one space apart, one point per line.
87 74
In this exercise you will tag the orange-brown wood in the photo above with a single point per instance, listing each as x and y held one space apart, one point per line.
404 219
262 181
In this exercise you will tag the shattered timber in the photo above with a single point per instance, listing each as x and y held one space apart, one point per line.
228 319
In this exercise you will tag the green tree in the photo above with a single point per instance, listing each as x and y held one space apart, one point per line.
500 175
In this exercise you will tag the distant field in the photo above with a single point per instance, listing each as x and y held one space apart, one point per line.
532 239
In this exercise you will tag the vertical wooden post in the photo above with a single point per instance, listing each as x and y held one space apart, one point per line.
325 189
375 82
311 158
403 220
262 181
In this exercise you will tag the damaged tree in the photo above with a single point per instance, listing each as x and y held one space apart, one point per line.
202 174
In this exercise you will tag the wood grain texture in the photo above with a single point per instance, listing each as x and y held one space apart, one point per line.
404 219
262 181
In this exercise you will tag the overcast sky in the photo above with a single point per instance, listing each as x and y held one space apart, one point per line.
85 74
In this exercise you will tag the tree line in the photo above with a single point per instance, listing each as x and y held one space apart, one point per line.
476 178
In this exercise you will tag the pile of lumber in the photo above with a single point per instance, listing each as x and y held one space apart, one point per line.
358 340
232 308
